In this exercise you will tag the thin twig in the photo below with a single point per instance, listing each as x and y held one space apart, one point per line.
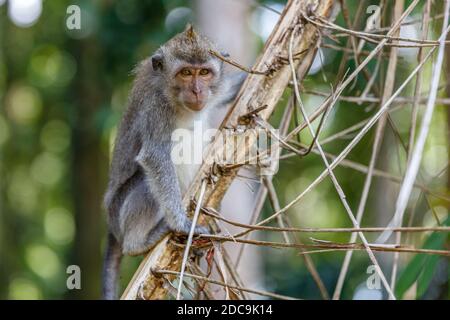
416 156
337 185
210 212
330 245
418 86
378 173
421 100
220 283
379 133
237 65
308 261
368 36
190 237
414 164
359 136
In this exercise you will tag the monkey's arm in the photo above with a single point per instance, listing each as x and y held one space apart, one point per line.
156 162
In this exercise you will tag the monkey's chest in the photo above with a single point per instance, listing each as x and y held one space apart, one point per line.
189 145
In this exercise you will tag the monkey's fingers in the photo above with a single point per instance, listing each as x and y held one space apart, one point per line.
185 228
201 230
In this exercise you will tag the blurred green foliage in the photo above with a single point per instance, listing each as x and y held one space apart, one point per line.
62 94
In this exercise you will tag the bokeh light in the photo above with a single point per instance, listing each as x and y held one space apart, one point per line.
24 289
263 21
4 130
409 31
23 104
318 202
178 17
127 11
43 261
22 191
55 136
59 226
364 293
47 169
50 66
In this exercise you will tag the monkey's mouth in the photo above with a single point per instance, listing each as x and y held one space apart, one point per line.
195 105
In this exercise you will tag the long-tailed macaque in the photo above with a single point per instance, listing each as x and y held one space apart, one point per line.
180 83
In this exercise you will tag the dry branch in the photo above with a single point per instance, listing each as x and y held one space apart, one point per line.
321 244
257 91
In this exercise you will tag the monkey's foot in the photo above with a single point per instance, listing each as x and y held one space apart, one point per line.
186 226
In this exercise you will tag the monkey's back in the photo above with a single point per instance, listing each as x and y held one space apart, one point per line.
123 165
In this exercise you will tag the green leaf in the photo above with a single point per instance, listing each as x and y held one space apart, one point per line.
427 274
422 267
410 274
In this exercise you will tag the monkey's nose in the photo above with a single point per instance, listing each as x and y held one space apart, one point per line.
197 95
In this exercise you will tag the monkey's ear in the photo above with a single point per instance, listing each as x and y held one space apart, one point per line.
157 61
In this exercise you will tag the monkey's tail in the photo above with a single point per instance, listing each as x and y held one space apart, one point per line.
111 269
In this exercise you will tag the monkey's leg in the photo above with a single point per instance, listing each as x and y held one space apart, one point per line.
140 217
155 160
153 237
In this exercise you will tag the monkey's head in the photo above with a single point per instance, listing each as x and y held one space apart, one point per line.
190 71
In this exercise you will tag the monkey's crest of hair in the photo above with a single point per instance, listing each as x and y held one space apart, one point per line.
190 46
190 32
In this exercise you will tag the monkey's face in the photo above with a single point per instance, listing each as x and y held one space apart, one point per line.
193 85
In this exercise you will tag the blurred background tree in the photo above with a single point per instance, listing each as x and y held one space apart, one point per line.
62 93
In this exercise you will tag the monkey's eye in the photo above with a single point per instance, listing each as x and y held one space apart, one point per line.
204 72
186 72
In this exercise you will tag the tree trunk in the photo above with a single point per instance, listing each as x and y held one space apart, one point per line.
89 171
